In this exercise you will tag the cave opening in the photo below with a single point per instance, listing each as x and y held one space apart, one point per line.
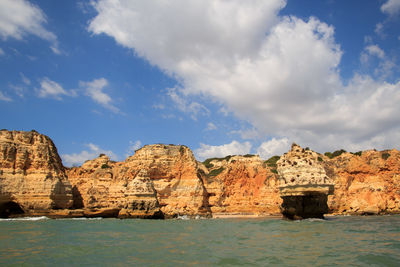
10 208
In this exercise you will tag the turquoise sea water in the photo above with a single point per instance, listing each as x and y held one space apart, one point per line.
346 241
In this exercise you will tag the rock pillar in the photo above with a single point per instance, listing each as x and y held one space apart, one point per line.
303 184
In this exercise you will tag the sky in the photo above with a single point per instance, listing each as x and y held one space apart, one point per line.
222 77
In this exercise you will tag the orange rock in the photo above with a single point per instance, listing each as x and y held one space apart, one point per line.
245 185
366 184
31 173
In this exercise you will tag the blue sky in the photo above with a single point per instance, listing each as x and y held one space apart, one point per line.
222 77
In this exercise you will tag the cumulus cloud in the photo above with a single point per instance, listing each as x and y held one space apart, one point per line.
19 18
4 97
234 148
273 147
280 73
49 88
94 90
191 107
391 7
92 152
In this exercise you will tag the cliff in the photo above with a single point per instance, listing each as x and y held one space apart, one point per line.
241 185
166 181
32 177
101 184
156 178
367 183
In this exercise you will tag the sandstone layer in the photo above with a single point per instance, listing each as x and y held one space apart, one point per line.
368 183
241 185
166 181
32 177
157 179
303 184
101 186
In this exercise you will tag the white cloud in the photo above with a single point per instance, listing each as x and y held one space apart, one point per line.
25 79
49 88
193 108
133 146
211 126
94 90
385 64
19 18
391 7
234 148
376 51
1 52
281 74
3 97
92 152
273 147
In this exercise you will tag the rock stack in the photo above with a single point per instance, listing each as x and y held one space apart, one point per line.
303 184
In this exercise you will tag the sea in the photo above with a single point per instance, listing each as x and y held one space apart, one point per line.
335 241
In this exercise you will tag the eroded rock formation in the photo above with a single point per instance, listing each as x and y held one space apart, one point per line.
365 183
166 180
241 185
32 177
156 178
303 183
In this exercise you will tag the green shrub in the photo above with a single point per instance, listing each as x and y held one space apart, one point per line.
335 154
271 162
320 159
385 155
357 153
101 155
216 172
208 163
248 155
105 166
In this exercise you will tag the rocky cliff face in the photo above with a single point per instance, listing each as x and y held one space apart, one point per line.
365 184
241 185
173 171
101 184
303 184
166 180
156 178
32 177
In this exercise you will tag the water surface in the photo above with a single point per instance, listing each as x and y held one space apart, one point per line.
346 241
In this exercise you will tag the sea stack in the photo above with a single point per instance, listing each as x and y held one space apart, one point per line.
303 184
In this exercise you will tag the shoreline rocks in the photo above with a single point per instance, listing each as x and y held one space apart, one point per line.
166 181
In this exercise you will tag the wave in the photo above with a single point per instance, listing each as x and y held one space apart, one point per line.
26 219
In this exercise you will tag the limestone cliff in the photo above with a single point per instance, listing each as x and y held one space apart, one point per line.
303 184
174 173
166 180
156 178
241 185
367 183
102 184
32 177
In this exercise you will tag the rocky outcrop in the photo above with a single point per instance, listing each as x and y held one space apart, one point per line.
365 183
303 184
173 171
32 177
101 186
157 179
241 185
166 181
